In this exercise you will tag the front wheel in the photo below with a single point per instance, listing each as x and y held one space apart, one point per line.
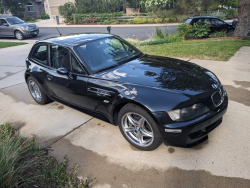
19 35
139 128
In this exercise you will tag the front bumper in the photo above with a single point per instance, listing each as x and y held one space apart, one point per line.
30 33
195 131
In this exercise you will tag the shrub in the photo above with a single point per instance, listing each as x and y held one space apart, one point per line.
201 31
166 20
150 20
159 34
29 19
106 22
87 20
131 22
172 20
138 20
158 20
99 23
67 10
44 16
165 13
94 20
144 20
219 34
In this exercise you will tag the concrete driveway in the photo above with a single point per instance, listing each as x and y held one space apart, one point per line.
100 150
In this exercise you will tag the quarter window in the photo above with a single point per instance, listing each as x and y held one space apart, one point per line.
40 54
30 7
59 57
76 67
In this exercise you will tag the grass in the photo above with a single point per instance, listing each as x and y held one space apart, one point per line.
210 50
10 44
23 164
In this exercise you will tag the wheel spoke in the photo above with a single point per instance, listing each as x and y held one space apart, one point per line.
141 122
129 129
132 120
146 133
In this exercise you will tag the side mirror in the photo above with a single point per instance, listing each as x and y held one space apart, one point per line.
5 24
62 71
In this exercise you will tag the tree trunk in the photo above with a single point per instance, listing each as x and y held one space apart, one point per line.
243 18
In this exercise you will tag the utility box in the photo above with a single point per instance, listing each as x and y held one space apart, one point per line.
57 20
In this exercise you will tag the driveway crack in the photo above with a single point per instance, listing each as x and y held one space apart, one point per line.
69 132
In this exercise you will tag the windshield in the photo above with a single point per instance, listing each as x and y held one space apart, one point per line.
14 20
188 21
108 52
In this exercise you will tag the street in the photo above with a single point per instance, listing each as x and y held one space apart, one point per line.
141 33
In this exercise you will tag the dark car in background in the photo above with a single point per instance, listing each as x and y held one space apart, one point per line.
11 26
151 98
216 23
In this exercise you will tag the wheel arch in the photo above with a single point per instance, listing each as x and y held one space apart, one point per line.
121 104
26 77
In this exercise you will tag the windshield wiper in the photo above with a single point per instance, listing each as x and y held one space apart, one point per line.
107 68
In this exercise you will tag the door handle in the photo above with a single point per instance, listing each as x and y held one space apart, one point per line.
49 77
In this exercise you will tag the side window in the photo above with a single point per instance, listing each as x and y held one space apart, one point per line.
40 54
59 57
216 22
203 21
2 21
76 67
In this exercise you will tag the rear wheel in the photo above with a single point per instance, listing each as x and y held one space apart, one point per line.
139 128
37 92
19 35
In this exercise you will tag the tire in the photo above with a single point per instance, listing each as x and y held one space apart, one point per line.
37 92
143 133
19 35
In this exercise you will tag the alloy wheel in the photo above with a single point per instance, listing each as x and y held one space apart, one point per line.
19 36
35 91
137 129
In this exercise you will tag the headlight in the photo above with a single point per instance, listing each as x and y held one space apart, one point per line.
25 28
188 113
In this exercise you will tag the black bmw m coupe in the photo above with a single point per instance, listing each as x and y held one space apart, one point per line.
151 98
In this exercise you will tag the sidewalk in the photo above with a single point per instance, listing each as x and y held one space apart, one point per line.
100 150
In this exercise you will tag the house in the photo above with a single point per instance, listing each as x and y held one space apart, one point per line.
52 6
35 8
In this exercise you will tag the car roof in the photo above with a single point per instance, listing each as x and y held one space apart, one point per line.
201 17
71 40
6 16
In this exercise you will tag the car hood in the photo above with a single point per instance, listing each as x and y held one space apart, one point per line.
25 24
164 73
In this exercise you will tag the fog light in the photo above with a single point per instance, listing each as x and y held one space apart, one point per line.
173 130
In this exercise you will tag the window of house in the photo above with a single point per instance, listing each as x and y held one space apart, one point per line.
30 7
40 54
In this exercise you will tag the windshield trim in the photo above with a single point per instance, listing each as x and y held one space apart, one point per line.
140 54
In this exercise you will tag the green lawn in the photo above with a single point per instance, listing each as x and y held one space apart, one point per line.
10 44
211 50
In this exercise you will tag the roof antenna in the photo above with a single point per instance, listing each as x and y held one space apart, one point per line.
59 32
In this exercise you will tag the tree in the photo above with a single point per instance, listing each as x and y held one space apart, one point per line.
16 7
67 10
243 24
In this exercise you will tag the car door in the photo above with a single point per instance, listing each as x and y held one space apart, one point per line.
6 30
217 25
69 88
2 26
